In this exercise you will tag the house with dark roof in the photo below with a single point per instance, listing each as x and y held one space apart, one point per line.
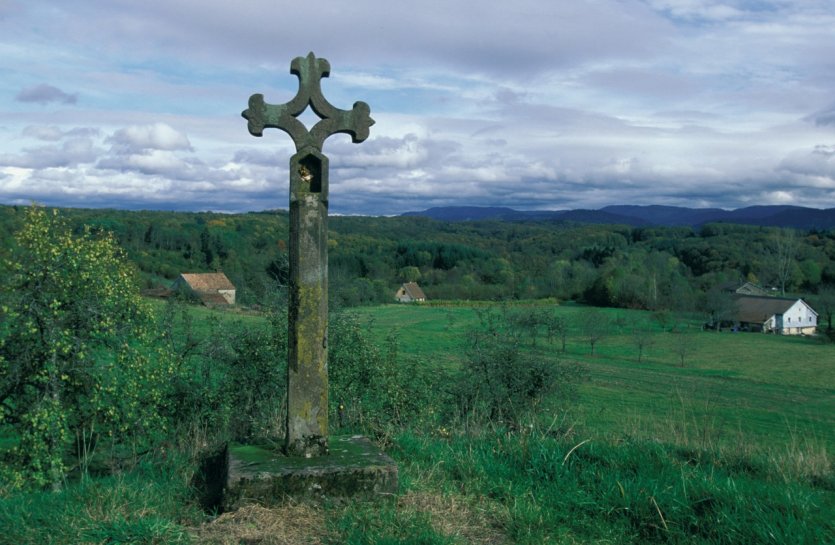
210 288
410 292
780 315
745 288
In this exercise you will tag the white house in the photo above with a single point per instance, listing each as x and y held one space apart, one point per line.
779 315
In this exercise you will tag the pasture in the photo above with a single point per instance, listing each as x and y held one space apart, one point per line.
734 388
731 447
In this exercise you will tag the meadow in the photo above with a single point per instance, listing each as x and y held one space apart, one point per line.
770 389
727 440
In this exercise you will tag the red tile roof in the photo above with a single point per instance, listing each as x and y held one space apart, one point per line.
202 282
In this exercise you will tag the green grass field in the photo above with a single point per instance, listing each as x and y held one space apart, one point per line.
767 389
733 447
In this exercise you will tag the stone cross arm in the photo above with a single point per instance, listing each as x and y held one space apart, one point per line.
310 71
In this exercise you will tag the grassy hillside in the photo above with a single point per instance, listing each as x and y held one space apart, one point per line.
771 389
733 447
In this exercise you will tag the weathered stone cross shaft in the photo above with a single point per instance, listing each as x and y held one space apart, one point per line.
307 369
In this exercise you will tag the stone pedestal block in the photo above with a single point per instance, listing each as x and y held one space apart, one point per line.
354 468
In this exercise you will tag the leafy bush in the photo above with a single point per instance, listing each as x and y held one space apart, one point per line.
256 382
79 361
231 379
500 380
373 389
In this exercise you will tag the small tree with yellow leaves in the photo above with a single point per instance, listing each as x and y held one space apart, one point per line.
79 361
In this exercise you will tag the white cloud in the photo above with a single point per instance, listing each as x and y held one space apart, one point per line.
50 133
158 136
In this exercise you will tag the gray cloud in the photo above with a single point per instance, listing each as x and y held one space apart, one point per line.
52 133
72 152
154 163
45 94
529 104
817 163
644 82
49 133
824 118
259 157
519 37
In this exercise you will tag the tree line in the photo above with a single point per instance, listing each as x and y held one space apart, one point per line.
655 268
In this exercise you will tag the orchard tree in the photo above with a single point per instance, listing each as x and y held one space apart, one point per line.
642 338
556 326
594 326
79 361
683 343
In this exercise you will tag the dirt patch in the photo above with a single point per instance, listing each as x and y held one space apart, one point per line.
288 524
456 516
307 524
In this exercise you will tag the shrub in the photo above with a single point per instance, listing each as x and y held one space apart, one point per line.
373 389
79 361
231 380
501 381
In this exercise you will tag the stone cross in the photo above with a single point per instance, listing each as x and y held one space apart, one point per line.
307 369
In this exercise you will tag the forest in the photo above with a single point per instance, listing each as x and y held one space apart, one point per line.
653 268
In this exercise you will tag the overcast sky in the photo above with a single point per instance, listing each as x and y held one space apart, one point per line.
532 104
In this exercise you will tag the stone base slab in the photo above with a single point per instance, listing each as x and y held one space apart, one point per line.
355 467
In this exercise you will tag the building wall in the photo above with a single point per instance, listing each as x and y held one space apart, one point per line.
799 319
402 296
229 295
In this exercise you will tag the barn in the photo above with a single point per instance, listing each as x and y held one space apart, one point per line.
410 292
780 315
210 288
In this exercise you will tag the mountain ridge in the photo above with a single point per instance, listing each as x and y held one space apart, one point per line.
798 217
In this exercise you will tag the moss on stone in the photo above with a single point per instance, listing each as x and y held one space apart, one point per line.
345 451
355 468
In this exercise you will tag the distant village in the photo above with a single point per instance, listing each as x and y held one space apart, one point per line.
750 308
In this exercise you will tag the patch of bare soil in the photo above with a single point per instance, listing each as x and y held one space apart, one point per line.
306 524
288 524
454 516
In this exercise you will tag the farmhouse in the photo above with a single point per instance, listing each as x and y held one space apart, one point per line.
779 315
210 288
746 288
410 292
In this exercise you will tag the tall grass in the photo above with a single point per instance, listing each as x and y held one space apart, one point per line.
152 503
561 490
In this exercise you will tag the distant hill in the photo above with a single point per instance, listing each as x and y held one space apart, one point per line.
477 213
771 216
467 213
